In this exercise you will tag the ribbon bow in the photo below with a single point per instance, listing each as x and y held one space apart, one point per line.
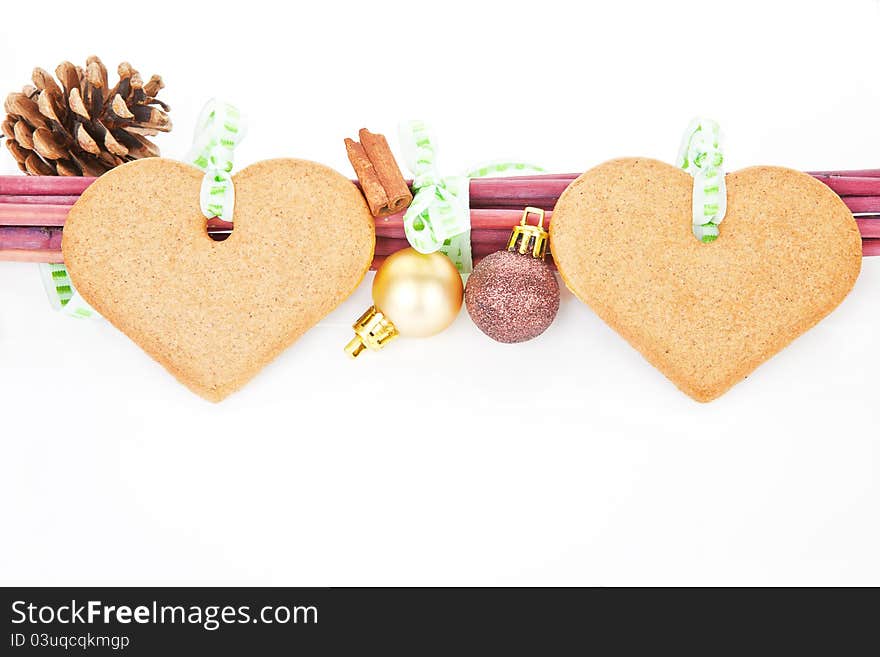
439 217
701 156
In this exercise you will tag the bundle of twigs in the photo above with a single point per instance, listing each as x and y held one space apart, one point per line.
33 210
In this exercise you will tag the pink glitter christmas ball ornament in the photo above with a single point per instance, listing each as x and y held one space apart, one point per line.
511 296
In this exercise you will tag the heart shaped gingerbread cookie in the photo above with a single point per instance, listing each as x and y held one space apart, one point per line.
215 312
706 315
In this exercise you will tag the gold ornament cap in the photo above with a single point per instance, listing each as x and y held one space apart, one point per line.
372 331
530 237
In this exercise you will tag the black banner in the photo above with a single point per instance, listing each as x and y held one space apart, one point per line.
270 621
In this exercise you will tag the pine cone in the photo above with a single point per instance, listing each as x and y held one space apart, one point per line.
83 127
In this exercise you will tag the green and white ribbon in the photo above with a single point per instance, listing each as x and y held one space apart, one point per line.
702 157
62 295
439 217
503 168
219 129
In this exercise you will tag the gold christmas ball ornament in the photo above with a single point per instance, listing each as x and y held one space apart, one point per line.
414 294
420 293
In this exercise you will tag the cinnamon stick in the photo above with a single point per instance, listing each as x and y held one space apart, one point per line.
380 178
371 187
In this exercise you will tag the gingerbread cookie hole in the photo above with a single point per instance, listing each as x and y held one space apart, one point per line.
220 236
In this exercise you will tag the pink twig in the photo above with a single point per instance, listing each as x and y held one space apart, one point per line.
17 237
855 173
16 255
481 219
869 227
65 186
39 199
16 214
862 204
43 185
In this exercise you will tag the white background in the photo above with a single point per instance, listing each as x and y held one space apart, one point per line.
455 460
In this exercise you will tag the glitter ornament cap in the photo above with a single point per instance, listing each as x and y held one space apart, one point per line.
530 237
